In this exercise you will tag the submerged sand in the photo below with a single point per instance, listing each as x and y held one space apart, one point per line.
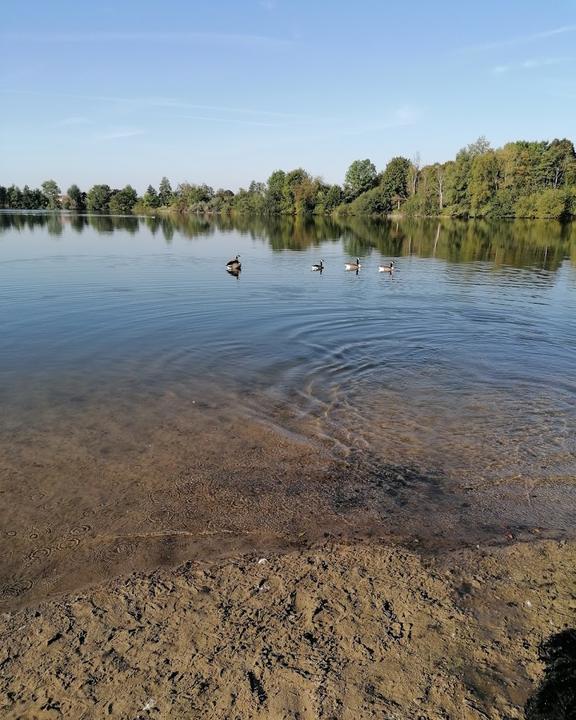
347 631
96 490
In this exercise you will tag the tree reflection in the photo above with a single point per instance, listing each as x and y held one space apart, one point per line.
519 243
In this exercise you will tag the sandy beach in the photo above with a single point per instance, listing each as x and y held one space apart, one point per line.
347 631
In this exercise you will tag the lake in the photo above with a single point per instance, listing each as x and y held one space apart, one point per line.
156 408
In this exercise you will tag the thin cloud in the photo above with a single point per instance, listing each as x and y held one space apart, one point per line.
544 62
175 103
161 102
530 64
119 134
401 117
232 121
158 37
522 39
72 121
405 115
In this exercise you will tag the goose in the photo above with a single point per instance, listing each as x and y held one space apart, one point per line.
318 266
234 264
353 266
386 268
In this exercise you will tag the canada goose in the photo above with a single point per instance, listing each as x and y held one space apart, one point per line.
234 264
387 268
318 266
353 266
235 271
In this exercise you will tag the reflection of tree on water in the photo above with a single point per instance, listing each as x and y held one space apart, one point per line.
517 243
109 223
78 222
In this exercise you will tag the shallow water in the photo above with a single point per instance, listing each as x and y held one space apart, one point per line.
123 339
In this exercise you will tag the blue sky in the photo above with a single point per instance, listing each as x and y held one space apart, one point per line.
227 91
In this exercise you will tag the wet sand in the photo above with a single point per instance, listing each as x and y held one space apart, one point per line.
93 491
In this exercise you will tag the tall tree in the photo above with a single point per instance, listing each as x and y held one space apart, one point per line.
165 194
151 198
274 192
122 201
98 198
76 199
394 179
360 177
414 174
485 178
293 180
52 192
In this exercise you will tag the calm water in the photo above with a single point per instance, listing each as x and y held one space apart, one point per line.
462 363
471 343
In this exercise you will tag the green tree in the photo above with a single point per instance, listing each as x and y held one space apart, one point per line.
28 198
526 207
485 178
151 198
14 198
52 193
274 192
394 179
291 192
98 198
123 201
328 197
376 201
165 194
479 147
558 164
553 203
360 177
76 199
193 198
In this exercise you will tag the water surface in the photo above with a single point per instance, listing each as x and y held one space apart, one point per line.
139 381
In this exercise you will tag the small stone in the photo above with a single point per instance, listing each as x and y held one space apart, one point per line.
150 705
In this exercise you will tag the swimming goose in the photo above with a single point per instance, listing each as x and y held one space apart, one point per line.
353 266
386 268
234 264
318 266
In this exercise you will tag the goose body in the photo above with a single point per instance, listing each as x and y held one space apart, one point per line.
387 268
353 266
318 266
234 264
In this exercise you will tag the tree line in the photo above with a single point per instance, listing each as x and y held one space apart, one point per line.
521 179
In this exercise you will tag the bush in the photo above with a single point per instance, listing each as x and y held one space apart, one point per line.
374 202
526 207
553 204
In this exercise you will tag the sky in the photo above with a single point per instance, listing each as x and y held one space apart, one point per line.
227 91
